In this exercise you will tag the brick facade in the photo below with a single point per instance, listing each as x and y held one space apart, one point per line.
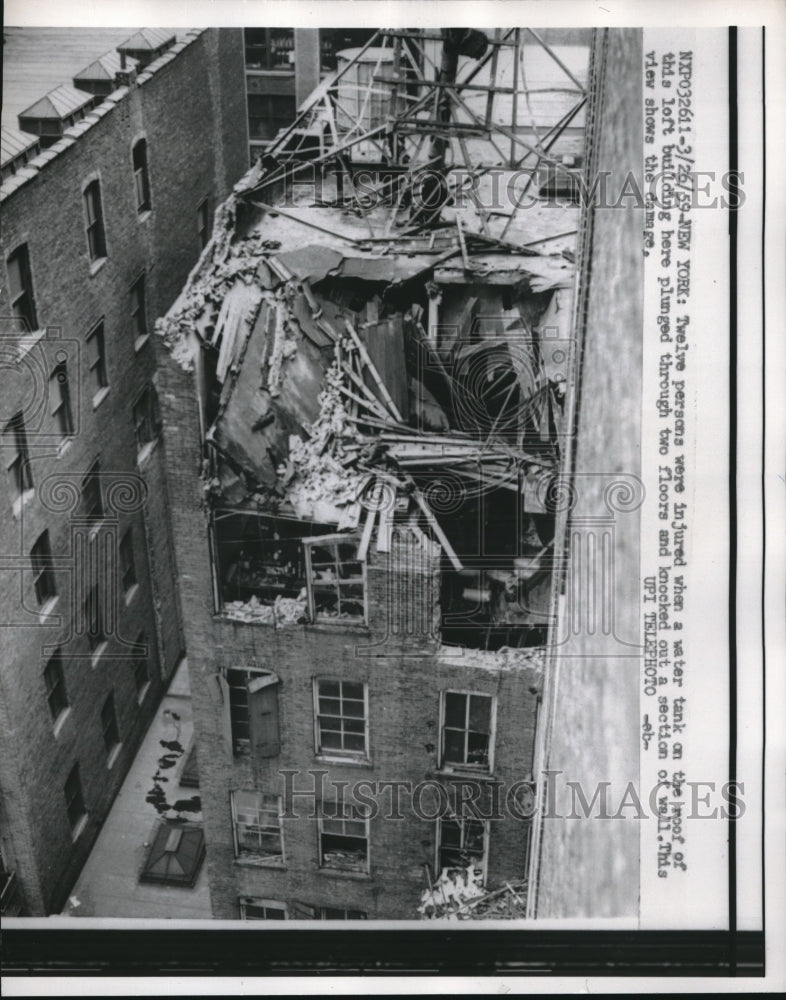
189 106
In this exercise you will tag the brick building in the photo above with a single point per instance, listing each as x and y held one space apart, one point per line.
100 230
361 405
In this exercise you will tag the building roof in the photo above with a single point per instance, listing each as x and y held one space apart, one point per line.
147 39
58 103
15 143
103 68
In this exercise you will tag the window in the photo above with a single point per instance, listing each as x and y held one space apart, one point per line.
18 462
43 571
75 803
253 712
257 824
127 566
460 842
60 399
141 177
97 358
467 731
141 665
270 48
268 114
336 579
20 287
92 502
109 724
94 619
139 308
94 221
147 423
203 222
54 679
343 837
341 717
253 908
339 913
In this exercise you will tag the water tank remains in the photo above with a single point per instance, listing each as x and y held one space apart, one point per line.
363 96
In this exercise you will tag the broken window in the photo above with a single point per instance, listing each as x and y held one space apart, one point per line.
341 717
467 731
460 842
343 837
336 579
256 818
253 712
43 571
254 908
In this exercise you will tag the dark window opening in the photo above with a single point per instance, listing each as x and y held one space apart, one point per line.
94 221
340 913
461 842
466 730
270 48
20 287
43 569
92 501
94 619
336 579
54 679
343 837
97 358
141 177
252 908
127 565
141 664
203 222
333 40
139 308
18 460
268 114
253 712
147 420
109 724
60 397
257 826
75 803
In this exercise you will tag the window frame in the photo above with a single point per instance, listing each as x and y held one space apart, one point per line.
56 691
342 817
44 580
92 497
18 466
126 561
62 411
75 796
453 767
359 914
334 540
20 256
110 728
95 228
141 171
138 293
340 753
261 903
247 856
147 420
97 366
462 821
97 639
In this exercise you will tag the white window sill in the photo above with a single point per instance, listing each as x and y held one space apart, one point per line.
142 693
63 447
96 265
131 593
81 824
28 342
464 772
140 342
144 453
100 396
345 873
251 862
113 755
22 501
325 758
143 214
96 527
60 720
46 609
98 652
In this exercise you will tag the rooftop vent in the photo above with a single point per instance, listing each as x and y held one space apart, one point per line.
145 46
50 116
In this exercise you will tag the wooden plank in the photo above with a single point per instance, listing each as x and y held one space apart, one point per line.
447 548
373 371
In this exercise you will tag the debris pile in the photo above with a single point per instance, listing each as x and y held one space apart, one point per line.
458 894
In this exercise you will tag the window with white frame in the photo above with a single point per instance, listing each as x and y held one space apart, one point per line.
343 837
254 908
341 717
467 731
336 579
60 400
17 455
256 819
461 841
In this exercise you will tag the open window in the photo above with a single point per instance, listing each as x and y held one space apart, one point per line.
252 697
336 579
343 837
467 735
256 819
